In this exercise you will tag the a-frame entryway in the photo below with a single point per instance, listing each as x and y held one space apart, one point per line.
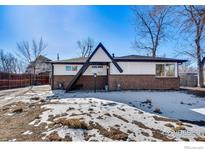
100 56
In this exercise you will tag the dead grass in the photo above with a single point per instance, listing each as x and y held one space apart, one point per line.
55 137
108 114
145 134
179 123
155 132
200 139
159 135
121 118
75 114
13 126
184 139
100 117
139 124
183 124
72 123
140 112
87 137
35 98
169 125
112 133
179 128
116 125
157 118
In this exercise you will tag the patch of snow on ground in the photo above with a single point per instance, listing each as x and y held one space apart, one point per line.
200 110
110 114
173 104
28 132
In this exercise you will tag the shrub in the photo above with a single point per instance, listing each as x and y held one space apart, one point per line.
157 110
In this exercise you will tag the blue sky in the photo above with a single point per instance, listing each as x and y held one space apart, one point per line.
62 26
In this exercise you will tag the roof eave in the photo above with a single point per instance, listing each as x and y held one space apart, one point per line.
150 60
53 62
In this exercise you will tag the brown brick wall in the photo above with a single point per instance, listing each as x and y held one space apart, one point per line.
87 82
84 82
131 82
65 79
127 82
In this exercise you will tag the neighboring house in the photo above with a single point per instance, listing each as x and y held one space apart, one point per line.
115 73
43 66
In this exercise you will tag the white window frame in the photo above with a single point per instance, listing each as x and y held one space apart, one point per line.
165 76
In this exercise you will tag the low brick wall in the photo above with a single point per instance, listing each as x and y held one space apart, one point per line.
84 83
132 82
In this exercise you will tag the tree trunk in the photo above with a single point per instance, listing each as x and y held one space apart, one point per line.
199 67
34 73
198 55
200 76
154 51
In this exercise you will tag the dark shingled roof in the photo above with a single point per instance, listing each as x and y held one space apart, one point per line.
82 60
78 60
147 58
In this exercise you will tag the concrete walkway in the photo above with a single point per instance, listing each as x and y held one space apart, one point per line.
10 95
193 88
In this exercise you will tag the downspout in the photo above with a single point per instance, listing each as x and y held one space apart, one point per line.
52 77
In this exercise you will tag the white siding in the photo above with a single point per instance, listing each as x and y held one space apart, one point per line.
129 68
100 71
133 68
137 68
59 69
100 56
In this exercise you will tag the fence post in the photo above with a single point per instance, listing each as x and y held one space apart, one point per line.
30 79
8 80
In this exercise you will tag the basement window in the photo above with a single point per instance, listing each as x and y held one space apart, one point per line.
165 70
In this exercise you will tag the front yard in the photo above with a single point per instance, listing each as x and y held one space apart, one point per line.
38 114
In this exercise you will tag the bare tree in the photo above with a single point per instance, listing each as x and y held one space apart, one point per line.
192 23
30 51
9 63
86 46
151 24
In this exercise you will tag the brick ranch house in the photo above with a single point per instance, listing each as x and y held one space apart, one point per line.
102 71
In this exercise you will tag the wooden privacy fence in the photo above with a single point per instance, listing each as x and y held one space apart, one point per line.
11 80
188 79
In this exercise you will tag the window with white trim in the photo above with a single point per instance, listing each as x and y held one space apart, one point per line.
165 70
71 67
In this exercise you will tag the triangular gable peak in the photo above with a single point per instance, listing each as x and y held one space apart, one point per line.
100 56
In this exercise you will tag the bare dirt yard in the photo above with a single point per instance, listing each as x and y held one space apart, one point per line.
39 114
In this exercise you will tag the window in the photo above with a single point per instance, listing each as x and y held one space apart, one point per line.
74 68
160 70
71 67
68 68
170 70
165 70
